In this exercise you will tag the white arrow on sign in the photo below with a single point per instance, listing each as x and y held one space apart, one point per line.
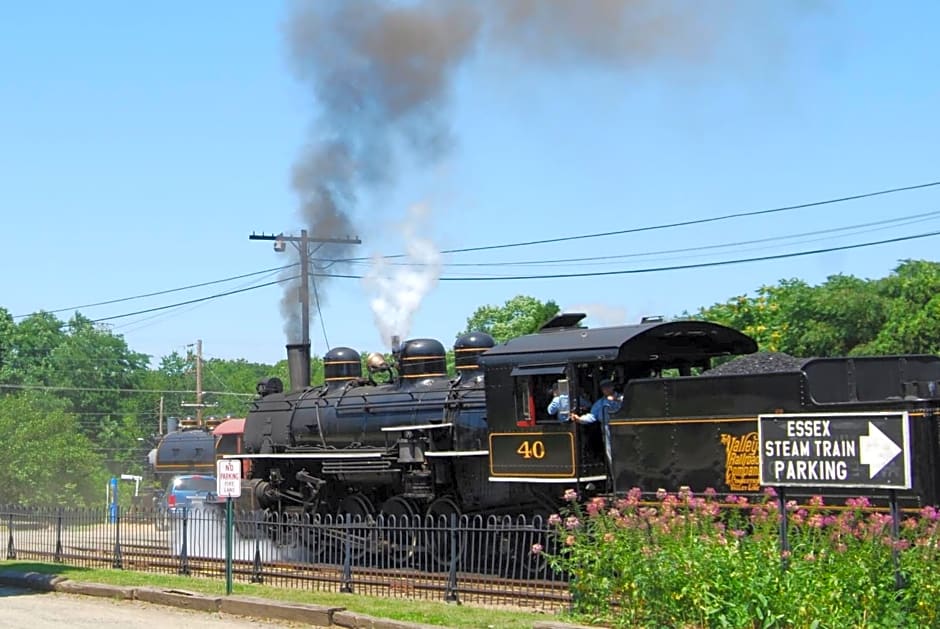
876 450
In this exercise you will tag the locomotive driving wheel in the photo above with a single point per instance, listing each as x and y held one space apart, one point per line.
440 516
398 537
356 527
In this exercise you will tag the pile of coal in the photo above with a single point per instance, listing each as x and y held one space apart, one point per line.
760 362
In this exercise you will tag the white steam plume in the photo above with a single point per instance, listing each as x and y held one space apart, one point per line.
400 285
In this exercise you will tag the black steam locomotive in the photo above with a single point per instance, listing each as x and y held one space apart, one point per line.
484 443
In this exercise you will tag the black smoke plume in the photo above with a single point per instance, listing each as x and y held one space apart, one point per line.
381 73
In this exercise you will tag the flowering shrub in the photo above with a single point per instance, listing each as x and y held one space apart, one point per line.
709 561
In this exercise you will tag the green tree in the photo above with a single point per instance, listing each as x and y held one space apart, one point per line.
46 461
30 345
912 310
518 316
839 317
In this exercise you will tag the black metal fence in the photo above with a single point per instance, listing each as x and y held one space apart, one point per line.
448 558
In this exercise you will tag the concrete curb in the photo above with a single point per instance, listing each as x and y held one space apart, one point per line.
178 598
314 615
95 589
352 620
317 615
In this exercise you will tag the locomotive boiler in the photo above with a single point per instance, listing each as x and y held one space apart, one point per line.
357 447
483 441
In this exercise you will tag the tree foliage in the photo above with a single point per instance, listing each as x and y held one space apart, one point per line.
518 316
844 315
47 460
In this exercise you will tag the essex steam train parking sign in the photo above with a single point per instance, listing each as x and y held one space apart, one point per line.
870 450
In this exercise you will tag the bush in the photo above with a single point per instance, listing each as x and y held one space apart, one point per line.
688 561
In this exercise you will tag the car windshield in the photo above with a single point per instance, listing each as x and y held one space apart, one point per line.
194 483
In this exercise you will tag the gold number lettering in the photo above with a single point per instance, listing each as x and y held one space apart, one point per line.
531 450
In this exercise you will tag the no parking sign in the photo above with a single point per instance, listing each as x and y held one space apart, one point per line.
228 478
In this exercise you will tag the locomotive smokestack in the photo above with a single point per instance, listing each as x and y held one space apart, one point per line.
298 365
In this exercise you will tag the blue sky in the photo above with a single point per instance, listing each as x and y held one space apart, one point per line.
140 145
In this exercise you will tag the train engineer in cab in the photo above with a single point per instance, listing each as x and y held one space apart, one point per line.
560 406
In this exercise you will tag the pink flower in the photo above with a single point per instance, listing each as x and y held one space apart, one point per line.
569 541
737 533
816 521
608 537
930 513
710 492
537 549
816 501
570 495
661 494
809 557
554 519
770 492
571 522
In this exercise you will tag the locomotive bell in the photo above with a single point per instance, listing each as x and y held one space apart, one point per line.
376 362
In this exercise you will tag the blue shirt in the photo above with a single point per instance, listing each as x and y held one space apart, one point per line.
602 409
561 406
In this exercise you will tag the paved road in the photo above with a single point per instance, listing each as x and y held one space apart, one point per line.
21 609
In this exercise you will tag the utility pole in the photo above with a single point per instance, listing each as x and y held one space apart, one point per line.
199 382
199 405
302 244
160 418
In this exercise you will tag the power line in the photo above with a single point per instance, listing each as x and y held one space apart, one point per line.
478 248
859 228
40 387
697 221
546 276
195 301
162 292
700 265
133 326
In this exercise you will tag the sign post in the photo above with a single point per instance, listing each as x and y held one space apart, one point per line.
228 482
850 450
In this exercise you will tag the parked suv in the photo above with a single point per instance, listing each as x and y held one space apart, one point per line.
186 491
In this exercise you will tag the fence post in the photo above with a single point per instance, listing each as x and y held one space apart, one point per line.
184 549
256 576
346 586
895 536
11 548
58 537
784 525
118 559
450 595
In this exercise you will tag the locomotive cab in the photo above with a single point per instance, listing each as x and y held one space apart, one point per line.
526 444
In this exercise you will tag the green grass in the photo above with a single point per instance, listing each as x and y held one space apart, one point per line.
428 612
